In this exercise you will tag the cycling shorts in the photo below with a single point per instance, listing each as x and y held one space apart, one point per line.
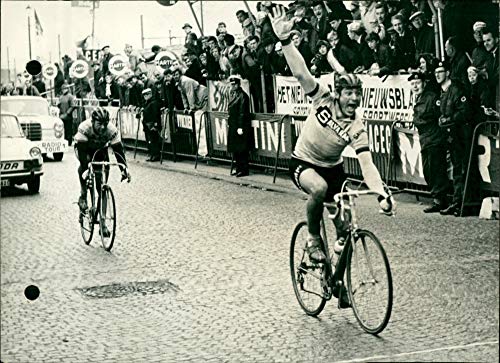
334 176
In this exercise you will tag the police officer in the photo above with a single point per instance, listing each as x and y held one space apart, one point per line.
151 122
455 119
433 140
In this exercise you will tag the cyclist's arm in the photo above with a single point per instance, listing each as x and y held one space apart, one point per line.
299 68
370 173
119 152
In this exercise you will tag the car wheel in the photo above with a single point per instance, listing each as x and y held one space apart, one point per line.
58 156
34 185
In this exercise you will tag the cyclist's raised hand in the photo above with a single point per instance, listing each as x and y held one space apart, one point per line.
126 175
387 205
280 23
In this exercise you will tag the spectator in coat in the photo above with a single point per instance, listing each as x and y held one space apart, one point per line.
151 123
433 141
187 29
302 46
479 94
239 126
194 95
382 60
39 84
367 9
171 94
106 56
479 53
423 34
427 63
235 58
458 60
402 44
342 59
98 81
59 80
279 64
135 99
455 118
362 53
340 26
66 106
111 91
383 20
82 87
319 23
319 64
490 39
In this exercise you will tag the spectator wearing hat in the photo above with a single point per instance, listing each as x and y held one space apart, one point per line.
340 26
279 64
239 126
458 60
151 123
187 29
106 56
490 39
382 61
479 53
319 23
319 64
402 44
194 95
455 116
423 34
433 140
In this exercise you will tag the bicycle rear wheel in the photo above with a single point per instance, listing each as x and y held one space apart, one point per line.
369 282
86 224
107 215
306 276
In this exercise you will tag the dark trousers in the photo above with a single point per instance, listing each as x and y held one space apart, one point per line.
241 161
461 138
435 172
153 140
68 129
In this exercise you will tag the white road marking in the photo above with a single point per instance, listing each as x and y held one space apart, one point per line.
377 357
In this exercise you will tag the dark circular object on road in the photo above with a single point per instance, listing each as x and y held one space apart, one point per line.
32 292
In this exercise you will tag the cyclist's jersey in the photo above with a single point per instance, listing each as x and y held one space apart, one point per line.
325 135
86 134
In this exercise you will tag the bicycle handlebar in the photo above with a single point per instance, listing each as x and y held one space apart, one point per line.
107 163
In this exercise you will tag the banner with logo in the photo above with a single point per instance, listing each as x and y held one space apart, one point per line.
265 129
219 93
291 98
387 99
129 125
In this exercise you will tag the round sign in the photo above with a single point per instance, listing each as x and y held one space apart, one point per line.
118 65
79 69
49 71
164 60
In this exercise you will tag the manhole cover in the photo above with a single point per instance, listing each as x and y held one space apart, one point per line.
129 288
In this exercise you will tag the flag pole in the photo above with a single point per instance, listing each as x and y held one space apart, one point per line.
8 64
28 8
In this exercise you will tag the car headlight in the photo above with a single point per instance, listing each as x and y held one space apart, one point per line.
35 152
58 125
58 134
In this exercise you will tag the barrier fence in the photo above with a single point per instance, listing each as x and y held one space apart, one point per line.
387 107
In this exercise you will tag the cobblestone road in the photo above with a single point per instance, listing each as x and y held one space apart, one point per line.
199 272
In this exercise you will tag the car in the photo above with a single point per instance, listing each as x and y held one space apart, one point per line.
21 159
38 123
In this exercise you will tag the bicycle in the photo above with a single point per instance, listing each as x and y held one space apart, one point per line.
366 263
99 212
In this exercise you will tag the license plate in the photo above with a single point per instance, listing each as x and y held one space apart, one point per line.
53 146
5 182
11 165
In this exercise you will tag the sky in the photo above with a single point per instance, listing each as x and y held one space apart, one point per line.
116 23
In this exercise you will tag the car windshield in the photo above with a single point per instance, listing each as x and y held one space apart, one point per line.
25 107
10 127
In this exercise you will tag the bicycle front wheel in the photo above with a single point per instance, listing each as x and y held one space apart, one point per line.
107 214
306 275
369 282
86 224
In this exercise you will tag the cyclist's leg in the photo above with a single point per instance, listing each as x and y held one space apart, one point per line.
84 160
335 177
310 181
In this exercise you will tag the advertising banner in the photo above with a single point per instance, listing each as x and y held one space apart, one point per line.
291 98
129 125
265 129
489 160
219 92
387 99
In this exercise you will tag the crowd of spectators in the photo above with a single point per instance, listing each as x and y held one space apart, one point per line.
376 38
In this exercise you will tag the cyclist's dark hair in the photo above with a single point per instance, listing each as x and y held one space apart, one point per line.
100 114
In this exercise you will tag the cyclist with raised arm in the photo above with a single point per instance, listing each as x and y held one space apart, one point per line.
90 141
316 166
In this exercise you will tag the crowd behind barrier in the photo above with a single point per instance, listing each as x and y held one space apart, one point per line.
383 42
